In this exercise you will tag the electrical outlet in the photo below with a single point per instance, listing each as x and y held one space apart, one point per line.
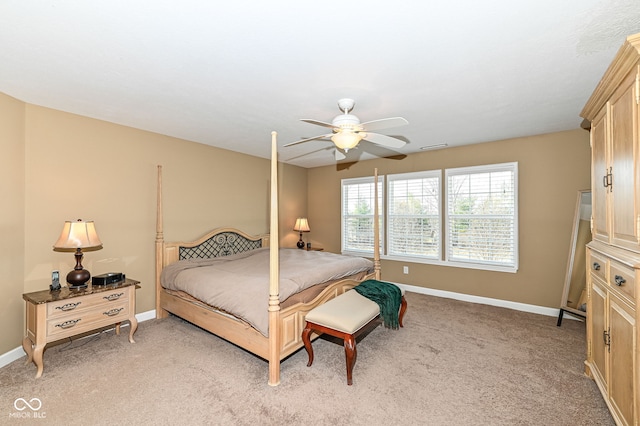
405 269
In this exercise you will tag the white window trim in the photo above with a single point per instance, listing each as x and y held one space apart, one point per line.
381 204
444 219
409 176
513 166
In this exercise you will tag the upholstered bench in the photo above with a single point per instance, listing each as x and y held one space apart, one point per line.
345 317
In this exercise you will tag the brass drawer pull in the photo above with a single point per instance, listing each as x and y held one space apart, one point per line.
112 312
68 324
596 266
68 306
114 296
619 279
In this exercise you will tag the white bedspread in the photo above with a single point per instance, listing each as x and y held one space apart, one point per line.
239 284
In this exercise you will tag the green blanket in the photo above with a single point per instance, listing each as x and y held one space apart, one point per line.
388 296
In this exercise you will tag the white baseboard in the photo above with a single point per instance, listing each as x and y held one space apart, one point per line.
12 355
17 353
542 310
145 316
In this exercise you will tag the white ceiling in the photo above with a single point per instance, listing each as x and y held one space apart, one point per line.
228 73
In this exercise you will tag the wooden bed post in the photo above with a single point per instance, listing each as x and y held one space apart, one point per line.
376 227
160 313
274 272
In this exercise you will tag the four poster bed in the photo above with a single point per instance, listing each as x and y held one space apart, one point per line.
272 327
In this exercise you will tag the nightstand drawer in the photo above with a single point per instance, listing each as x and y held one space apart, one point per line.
81 304
87 320
622 279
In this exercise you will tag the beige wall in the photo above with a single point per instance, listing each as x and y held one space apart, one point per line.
551 169
58 166
12 221
77 167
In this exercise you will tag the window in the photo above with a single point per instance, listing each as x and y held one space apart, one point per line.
478 206
481 216
357 214
414 215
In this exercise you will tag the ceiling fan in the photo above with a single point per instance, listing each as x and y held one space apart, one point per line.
347 131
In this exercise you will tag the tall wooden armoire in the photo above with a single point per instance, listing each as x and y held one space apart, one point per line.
613 256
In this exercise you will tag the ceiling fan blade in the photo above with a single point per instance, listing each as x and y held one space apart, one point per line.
309 139
384 123
381 151
338 155
329 149
384 140
318 123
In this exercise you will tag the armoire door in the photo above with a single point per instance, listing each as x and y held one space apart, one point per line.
624 201
622 343
600 332
600 176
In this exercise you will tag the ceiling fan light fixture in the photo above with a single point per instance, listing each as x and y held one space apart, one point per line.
348 131
346 140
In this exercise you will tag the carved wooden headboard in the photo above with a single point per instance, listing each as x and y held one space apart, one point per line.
219 242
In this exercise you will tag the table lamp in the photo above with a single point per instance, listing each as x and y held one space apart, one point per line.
302 225
76 236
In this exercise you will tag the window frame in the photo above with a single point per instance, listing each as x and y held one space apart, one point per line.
381 202
444 257
426 174
501 267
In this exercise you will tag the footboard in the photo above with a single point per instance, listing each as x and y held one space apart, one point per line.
292 319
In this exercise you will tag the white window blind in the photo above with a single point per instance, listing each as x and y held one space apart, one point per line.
358 214
414 215
481 218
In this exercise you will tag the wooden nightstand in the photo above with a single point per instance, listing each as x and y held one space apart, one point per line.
55 315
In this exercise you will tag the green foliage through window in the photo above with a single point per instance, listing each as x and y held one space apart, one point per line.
474 224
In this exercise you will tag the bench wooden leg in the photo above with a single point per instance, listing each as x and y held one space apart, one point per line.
349 340
350 354
307 343
403 309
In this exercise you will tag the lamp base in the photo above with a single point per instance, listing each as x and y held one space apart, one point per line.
300 244
78 278
78 287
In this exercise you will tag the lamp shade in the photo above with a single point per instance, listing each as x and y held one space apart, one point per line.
302 225
346 139
78 234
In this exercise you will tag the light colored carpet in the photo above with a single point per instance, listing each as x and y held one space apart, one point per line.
454 363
